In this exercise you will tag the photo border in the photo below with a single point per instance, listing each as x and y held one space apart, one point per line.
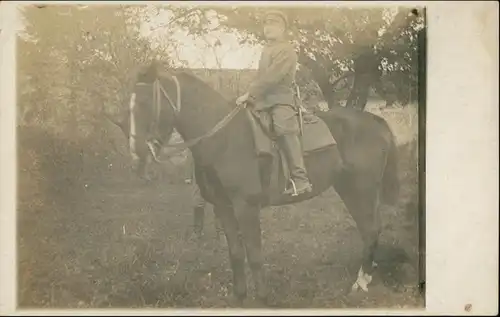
460 167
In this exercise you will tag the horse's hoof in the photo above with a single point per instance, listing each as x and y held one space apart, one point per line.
198 235
238 301
362 281
262 300
220 239
194 237
357 286
354 287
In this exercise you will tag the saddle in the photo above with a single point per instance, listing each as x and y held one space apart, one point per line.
315 136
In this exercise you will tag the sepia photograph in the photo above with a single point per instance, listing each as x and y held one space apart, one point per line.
206 155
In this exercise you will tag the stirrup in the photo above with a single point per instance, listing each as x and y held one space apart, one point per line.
293 191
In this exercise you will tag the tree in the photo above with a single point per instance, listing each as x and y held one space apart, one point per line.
329 40
76 65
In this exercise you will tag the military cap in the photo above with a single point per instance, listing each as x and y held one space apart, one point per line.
275 15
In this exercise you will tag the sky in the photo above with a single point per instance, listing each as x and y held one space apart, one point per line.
199 53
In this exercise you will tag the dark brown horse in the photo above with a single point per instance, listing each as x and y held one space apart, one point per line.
362 167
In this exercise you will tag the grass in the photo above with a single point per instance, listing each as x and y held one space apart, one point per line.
118 243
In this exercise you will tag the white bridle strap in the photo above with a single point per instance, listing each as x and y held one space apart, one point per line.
177 105
157 91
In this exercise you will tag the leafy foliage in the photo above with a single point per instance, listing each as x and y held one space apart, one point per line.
75 64
329 39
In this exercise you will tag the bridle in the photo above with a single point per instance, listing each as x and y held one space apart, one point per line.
154 140
154 143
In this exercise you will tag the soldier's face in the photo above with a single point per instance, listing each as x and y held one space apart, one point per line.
274 29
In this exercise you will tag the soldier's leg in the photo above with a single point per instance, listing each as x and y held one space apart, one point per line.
286 127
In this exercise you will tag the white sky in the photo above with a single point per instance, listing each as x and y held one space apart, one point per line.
200 52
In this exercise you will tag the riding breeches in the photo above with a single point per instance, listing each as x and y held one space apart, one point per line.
287 129
285 120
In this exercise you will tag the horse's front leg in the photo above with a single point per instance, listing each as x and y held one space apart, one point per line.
198 221
219 230
198 210
248 216
225 215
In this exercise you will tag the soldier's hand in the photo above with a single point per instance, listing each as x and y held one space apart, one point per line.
242 99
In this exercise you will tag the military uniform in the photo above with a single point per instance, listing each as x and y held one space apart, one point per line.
273 91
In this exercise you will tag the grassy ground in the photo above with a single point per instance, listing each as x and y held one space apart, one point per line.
119 243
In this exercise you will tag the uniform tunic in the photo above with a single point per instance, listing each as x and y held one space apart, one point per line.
273 90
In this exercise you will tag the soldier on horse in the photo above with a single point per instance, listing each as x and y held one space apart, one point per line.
273 91
352 151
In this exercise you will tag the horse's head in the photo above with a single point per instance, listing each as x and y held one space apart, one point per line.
152 113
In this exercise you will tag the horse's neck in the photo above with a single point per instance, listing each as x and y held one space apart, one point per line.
201 110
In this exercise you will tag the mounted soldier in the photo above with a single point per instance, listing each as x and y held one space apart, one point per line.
273 91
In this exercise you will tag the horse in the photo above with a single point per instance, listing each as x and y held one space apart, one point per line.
361 167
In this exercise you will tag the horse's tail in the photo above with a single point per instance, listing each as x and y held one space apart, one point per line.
390 179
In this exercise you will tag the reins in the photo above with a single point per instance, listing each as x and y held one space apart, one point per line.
158 89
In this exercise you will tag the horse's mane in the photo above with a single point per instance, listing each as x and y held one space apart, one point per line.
191 75
149 73
197 82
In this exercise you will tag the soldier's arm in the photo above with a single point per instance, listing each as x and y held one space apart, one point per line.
284 62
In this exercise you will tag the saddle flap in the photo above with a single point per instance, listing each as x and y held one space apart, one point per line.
316 135
262 139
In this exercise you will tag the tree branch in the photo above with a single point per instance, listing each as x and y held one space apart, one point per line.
319 73
186 14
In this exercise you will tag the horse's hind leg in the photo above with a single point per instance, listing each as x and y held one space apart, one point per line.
368 224
361 201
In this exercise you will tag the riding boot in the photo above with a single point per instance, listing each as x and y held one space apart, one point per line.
293 151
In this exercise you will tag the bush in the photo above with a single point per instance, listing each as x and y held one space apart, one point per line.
49 170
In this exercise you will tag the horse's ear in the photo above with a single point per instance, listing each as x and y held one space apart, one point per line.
148 72
154 68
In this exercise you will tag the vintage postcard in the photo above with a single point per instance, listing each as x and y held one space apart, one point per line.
249 157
